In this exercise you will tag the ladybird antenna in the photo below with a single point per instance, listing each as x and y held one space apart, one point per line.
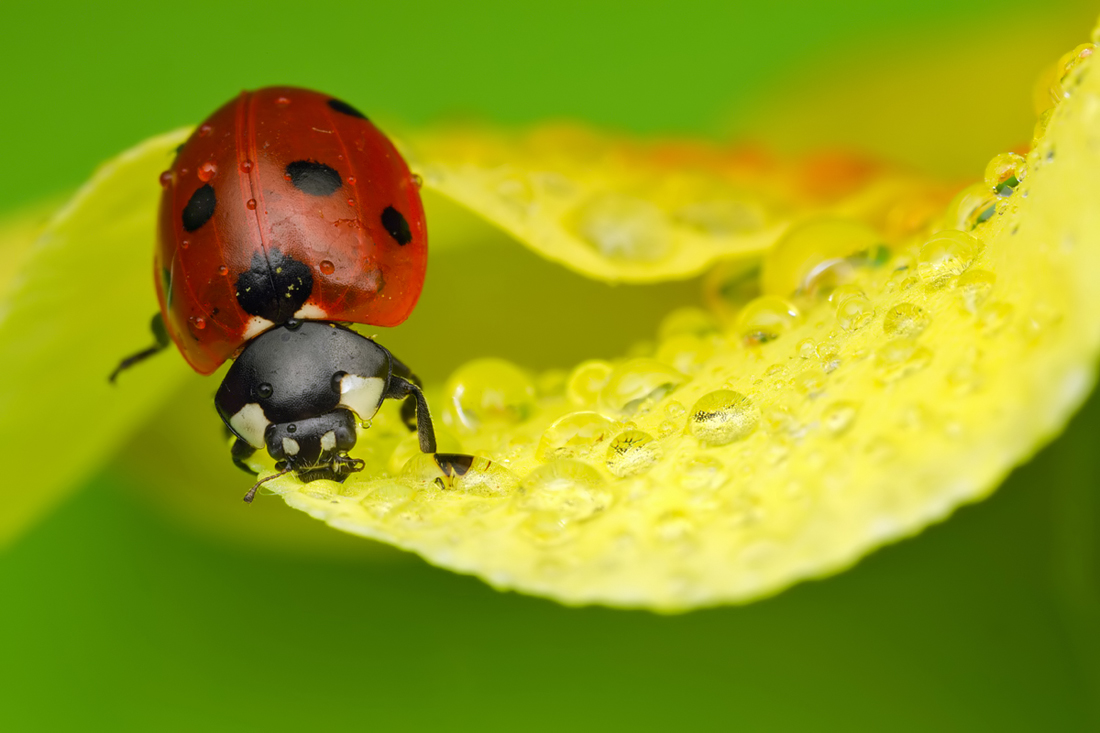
252 492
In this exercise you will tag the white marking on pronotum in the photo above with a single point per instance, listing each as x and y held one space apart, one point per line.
290 447
256 326
362 395
328 440
311 312
250 423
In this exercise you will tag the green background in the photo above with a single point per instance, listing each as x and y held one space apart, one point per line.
116 614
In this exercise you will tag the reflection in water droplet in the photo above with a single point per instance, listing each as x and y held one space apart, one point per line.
207 171
905 319
326 267
1005 172
223 270
455 472
839 416
487 393
812 254
632 452
722 417
637 382
576 435
624 228
251 204
946 254
765 319
198 322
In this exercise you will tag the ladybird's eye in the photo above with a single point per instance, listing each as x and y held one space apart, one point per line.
336 379
263 391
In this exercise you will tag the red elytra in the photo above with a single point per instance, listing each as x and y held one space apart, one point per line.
285 203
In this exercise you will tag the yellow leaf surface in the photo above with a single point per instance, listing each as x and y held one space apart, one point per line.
733 457
641 211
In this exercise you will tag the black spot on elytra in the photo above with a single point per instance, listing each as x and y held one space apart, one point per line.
274 287
454 464
316 179
396 225
345 109
199 208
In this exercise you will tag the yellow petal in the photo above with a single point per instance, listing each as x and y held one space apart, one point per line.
781 445
634 211
76 291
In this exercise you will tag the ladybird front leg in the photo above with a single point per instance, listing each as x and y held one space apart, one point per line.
241 452
408 407
401 388
160 334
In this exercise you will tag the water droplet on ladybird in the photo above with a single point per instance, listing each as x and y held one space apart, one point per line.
166 179
264 390
205 130
223 270
198 322
246 166
326 267
282 101
251 204
185 243
351 202
184 171
418 180
722 417
207 171
351 180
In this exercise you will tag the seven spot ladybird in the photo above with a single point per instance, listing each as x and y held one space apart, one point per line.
284 215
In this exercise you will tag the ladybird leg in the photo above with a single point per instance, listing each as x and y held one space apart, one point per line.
408 407
160 333
401 388
241 452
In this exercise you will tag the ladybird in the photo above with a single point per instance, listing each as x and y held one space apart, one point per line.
286 214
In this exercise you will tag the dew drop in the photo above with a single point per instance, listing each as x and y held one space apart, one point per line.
223 270
198 322
488 392
567 489
576 435
418 180
905 319
807 348
674 527
251 204
945 255
722 417
205 130
586 380
900 358
185 243
730 285
282 101
765 319
839 417
636 382
806 251
1005 173
351 202
166 179
687 321
971 207
685 353
631 452
624 228
326 267
458 472
207 171
702 473
854 313
245 166
352 180
974 287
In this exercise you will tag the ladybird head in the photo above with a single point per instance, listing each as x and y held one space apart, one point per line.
315 447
